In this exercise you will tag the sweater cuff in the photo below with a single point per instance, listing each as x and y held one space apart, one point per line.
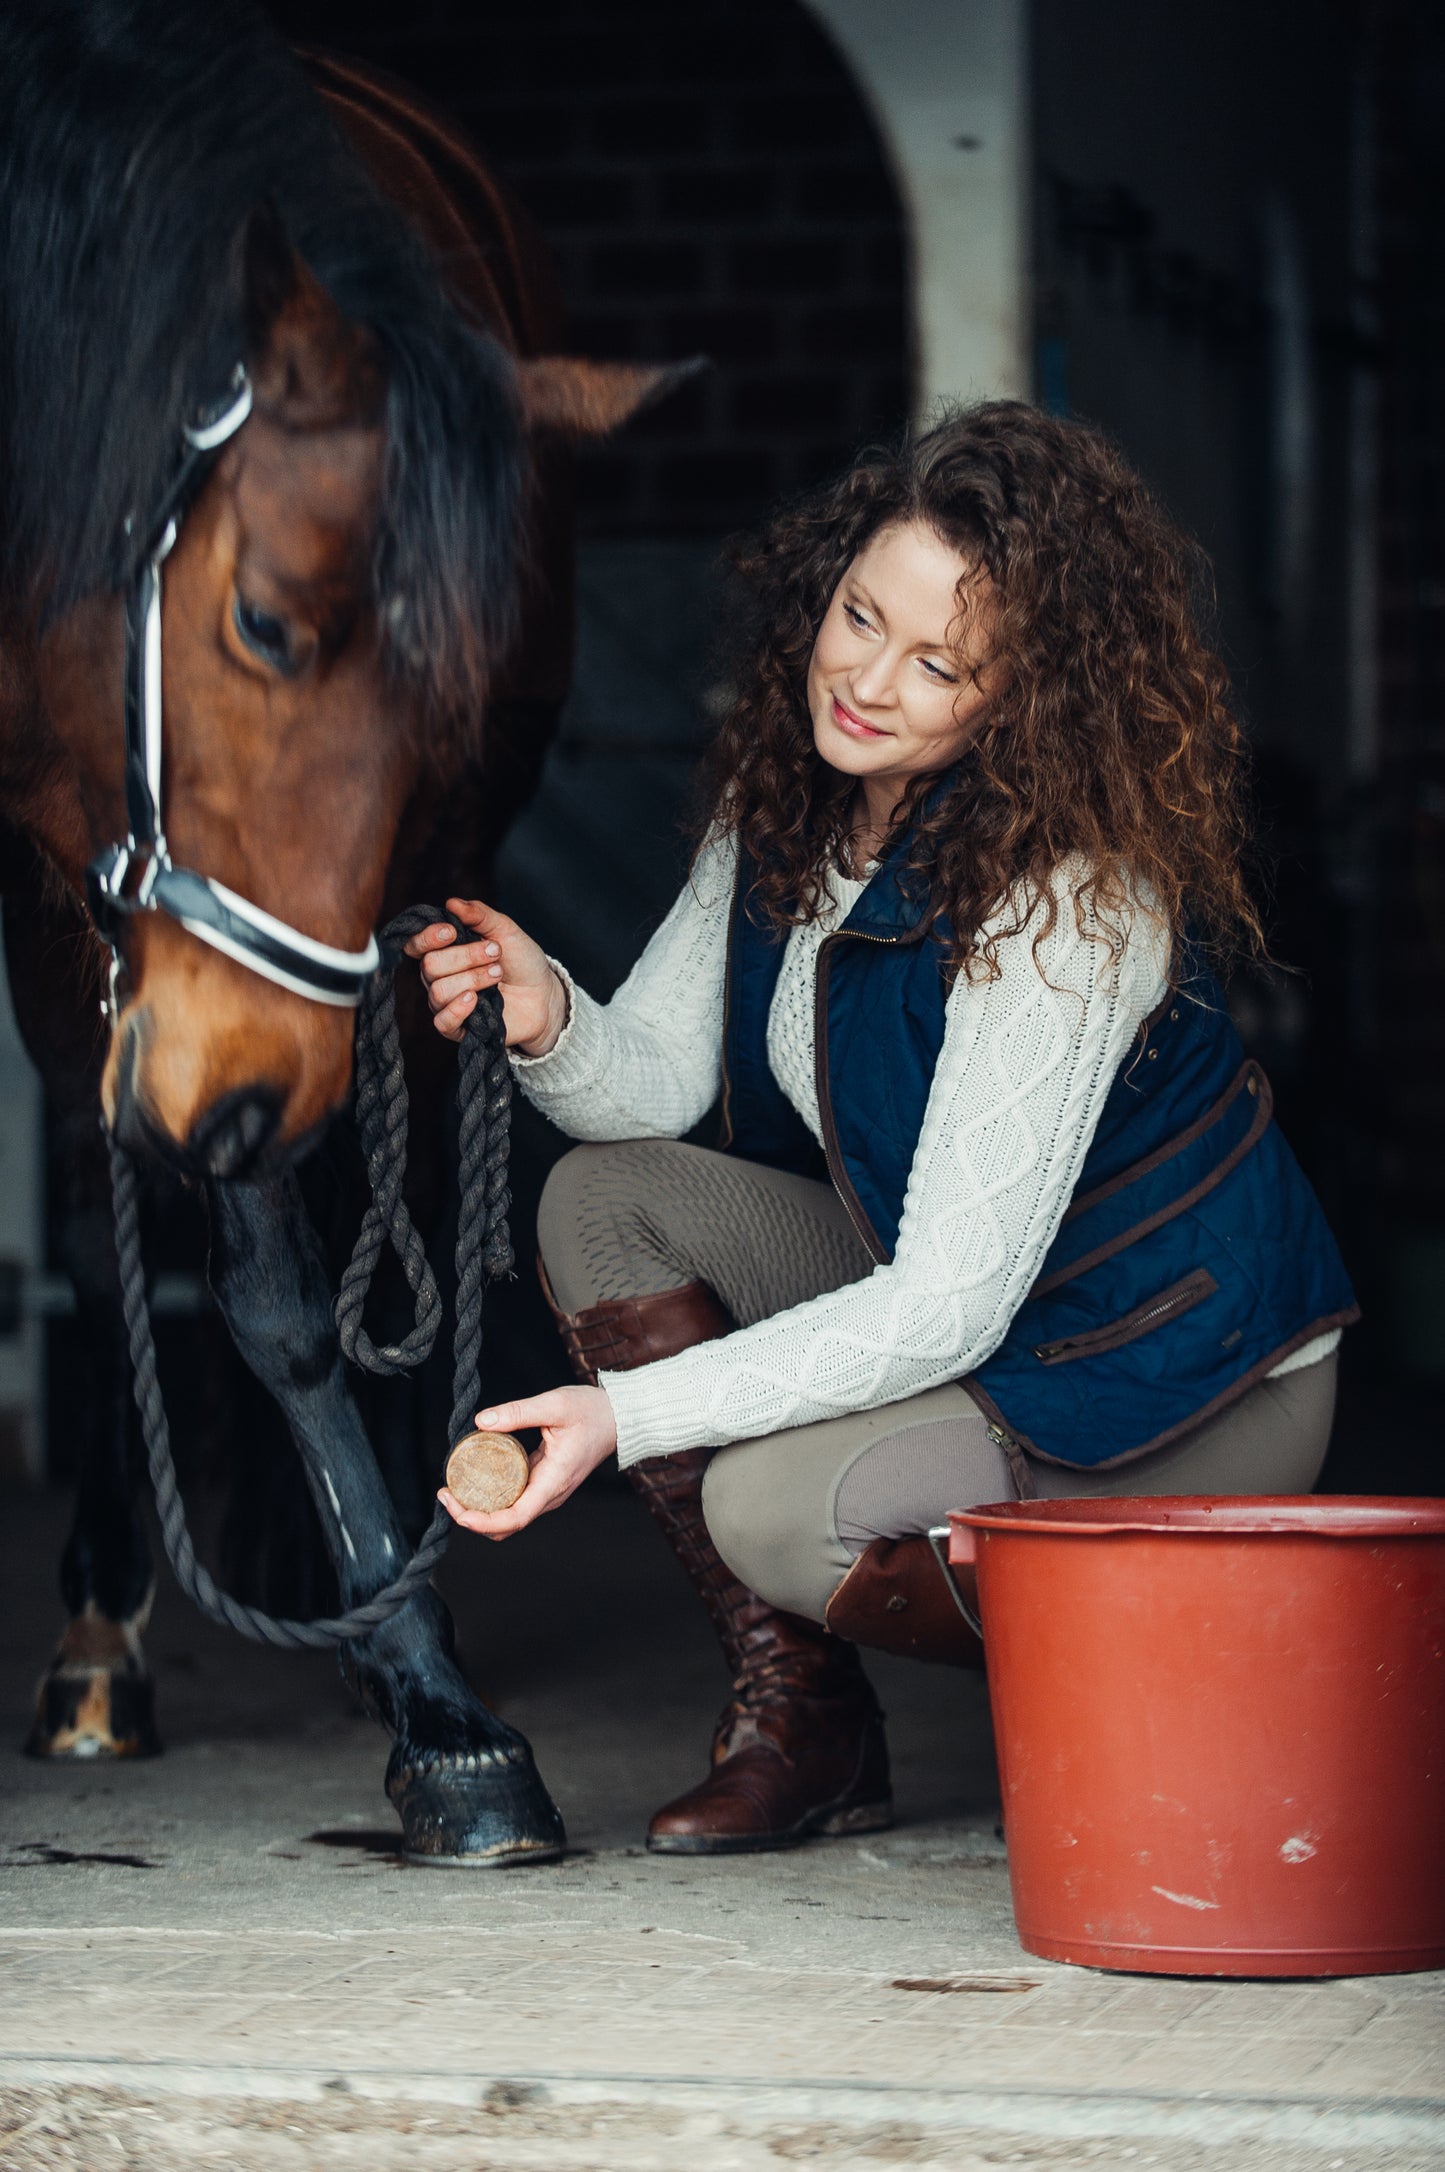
651 1405
579 1053
569 990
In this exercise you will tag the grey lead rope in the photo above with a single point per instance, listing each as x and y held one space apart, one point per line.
484 1251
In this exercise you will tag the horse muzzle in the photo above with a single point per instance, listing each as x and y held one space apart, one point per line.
232 1138
216 1073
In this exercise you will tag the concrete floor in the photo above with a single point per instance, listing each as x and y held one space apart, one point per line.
217 1959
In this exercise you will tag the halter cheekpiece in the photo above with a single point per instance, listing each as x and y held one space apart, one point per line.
139 876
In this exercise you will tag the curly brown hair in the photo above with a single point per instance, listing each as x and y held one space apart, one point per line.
1111 735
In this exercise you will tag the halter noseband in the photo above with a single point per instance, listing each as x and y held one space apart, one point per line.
140 876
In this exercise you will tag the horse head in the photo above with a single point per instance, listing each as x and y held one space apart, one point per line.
336 598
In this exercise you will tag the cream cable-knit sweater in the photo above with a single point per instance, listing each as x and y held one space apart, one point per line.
1026 1065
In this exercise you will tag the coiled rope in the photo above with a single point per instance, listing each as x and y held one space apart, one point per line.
484 1252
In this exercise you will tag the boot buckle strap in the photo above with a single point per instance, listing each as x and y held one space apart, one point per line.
596 1340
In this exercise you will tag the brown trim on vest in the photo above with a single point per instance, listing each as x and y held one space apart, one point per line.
837 1168
1177 1144
1024 1483
1166 1439
1249 1077
725 1117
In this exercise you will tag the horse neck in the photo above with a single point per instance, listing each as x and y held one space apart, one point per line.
39 785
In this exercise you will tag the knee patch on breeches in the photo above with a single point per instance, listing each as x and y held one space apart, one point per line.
736 1519
784 1561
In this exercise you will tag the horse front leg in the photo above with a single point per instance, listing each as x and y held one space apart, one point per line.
463 1782
96 1697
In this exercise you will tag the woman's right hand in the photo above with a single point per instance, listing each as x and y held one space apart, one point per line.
534 1001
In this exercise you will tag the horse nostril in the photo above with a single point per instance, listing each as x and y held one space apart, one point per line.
234 1132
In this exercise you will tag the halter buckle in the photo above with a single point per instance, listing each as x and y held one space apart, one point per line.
105 889
110 1002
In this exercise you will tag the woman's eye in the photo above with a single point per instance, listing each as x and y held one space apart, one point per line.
266 637
855 617
936 671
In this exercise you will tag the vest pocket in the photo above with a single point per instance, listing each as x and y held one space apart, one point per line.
1179 1297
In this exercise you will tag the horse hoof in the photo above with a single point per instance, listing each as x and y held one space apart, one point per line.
97 1698
86 1712
474 1810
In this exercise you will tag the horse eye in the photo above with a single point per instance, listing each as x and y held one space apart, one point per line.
264 636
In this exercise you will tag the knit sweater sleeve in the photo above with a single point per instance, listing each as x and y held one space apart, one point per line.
648 1064
1026 1065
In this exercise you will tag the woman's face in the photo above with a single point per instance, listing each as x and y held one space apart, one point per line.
890 695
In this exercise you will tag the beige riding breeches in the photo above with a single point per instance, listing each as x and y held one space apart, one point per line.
790 1512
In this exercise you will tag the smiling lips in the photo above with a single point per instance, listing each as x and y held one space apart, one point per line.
854 726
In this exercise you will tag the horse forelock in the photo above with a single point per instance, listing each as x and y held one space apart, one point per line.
137 140
447 537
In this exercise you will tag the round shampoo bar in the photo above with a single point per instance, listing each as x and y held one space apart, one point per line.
487 1471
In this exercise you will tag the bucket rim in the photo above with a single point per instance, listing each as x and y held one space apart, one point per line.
1247 1515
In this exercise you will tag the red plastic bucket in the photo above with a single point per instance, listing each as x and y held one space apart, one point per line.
1221 1729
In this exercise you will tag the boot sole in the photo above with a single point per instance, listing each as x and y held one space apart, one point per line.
829 1824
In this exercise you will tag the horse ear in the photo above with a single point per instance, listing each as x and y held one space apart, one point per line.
311 367
578 398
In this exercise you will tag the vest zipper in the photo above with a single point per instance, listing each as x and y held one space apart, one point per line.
725 1125
1180 1297
837 1170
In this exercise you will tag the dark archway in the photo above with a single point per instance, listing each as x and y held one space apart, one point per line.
710 181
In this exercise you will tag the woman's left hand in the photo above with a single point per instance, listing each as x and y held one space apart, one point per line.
578 1432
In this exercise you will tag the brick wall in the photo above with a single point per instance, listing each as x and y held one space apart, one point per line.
1410 62
710 182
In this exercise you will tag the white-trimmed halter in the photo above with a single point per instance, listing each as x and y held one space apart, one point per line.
139 876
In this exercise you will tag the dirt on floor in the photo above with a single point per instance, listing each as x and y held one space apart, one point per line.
74 2129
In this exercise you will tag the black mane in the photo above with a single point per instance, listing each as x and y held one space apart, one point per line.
137 138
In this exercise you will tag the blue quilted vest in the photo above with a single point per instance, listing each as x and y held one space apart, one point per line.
1193 1256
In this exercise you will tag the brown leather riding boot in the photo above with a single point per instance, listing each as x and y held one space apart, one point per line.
799 1747
627 1331
897 1598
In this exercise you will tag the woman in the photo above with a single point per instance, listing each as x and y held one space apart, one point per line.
1000 1207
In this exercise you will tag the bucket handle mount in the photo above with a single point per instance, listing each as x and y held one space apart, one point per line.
938 1539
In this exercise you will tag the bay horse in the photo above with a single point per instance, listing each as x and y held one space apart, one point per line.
287 282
